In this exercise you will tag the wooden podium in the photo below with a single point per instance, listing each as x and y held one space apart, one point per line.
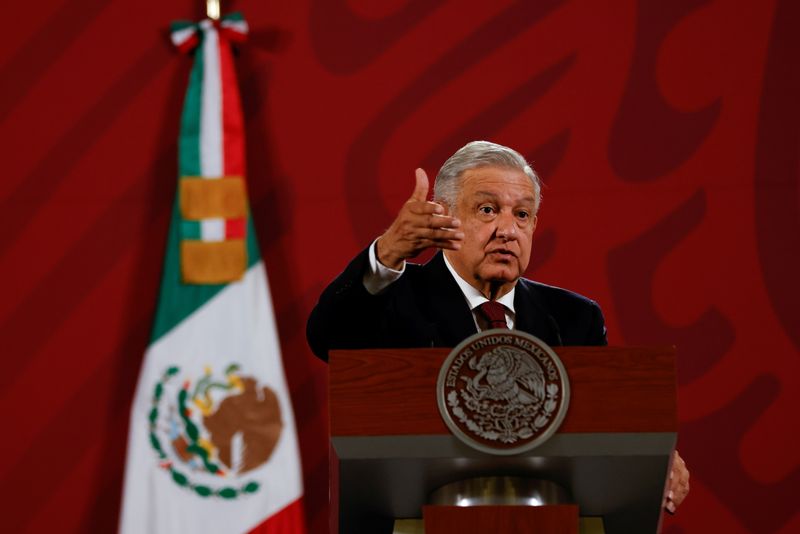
390 448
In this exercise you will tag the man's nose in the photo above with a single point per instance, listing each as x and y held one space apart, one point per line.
506 226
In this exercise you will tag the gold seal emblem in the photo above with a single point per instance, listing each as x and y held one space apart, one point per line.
503 391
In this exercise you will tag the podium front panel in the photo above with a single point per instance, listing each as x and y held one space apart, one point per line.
612 453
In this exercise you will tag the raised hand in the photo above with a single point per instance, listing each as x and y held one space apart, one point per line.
419 225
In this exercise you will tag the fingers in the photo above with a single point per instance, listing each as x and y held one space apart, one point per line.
438 242
443 236
680 477
424 208
430 215
418 202
438 221
419 225
434 231
421 187
678 484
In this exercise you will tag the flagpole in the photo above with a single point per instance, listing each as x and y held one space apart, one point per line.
213 9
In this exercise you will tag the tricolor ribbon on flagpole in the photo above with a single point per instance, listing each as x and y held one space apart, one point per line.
212 194
185 34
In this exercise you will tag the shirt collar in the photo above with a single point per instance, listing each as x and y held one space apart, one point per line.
474 297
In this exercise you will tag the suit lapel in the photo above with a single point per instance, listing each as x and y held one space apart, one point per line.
452 319
450 313
531 315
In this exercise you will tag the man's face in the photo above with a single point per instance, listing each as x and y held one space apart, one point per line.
496 211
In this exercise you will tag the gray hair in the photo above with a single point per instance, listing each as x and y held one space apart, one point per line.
480 154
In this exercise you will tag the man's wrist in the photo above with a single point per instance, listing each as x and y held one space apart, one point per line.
378 277
386 258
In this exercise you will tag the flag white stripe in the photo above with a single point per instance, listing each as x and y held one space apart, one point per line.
237 324
212 229
181 36
211 158
236 25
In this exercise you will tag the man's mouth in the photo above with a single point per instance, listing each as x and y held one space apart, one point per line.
502 253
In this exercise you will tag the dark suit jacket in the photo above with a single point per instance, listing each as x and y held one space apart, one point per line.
426 308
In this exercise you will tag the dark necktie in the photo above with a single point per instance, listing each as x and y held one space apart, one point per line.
494 313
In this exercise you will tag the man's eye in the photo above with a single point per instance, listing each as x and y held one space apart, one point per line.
523 214
486 210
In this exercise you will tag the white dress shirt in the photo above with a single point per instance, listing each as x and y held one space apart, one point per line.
378 277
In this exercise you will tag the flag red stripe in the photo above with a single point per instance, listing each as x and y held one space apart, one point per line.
189 44
290 520
232 124
234 228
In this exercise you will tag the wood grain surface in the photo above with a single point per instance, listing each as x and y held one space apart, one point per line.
393 391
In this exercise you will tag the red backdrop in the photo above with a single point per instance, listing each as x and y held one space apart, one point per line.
667 134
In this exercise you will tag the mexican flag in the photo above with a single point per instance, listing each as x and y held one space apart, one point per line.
212 444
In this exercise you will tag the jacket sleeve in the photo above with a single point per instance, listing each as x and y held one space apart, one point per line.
597 334
346 316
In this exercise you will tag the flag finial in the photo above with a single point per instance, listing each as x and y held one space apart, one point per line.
213 9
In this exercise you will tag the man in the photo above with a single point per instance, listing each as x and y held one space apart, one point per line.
484 213
484 216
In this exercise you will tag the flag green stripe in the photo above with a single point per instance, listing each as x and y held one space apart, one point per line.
177 300
180 25
191 230
189 141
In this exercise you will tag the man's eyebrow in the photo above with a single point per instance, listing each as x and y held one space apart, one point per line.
489 194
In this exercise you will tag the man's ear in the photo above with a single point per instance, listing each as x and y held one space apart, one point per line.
535 221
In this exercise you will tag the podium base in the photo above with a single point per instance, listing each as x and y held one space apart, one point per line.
586 525
500 490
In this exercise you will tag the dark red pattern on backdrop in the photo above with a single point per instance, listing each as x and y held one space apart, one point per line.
667 134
